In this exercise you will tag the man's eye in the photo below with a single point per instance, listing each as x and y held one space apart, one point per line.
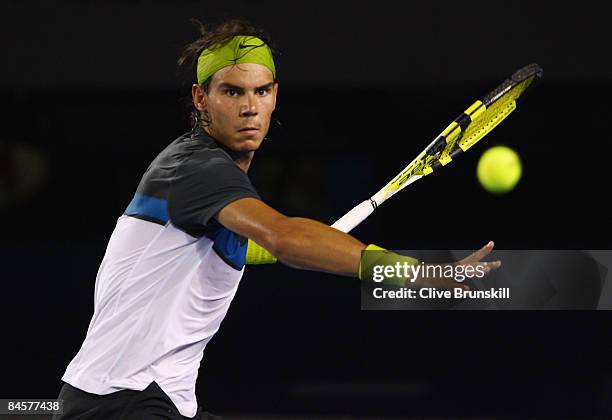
231 92
262 91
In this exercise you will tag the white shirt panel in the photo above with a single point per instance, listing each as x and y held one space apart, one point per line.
160 296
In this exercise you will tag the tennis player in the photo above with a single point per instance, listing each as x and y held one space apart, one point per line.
177 254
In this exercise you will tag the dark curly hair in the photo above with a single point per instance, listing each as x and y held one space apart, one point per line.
214 34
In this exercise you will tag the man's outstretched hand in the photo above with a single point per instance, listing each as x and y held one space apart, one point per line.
472 263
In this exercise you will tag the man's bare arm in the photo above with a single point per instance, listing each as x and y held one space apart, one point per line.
298 242
308 244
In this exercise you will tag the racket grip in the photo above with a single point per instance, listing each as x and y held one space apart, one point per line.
357 215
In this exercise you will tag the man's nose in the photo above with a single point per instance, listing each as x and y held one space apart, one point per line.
249 107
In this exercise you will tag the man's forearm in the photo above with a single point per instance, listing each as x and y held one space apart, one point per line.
296 241
308 244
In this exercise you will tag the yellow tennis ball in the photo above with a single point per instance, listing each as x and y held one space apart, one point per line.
499 169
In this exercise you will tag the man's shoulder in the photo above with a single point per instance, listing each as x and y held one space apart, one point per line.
188 149
195 144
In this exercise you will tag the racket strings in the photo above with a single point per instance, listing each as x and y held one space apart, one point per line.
483 120
482 117
493 115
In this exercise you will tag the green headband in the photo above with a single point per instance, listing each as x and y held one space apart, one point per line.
240 49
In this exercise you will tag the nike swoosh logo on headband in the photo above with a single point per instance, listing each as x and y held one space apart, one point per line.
242 46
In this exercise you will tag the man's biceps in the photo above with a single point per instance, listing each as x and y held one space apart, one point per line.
246 213
236 209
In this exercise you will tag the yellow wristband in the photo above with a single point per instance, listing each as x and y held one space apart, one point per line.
382 257
256 254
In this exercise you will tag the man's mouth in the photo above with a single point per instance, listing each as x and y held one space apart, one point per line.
249 130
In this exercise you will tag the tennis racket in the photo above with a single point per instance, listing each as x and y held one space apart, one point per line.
464 132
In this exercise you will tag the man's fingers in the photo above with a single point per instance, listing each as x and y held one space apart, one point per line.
489 266
483 267
478 255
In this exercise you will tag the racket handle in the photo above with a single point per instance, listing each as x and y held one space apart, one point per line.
357 215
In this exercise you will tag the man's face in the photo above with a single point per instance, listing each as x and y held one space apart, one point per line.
239 104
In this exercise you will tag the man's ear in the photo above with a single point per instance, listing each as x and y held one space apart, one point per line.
275 92
199 97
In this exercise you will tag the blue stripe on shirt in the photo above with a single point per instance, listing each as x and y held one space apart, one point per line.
229 247
151 207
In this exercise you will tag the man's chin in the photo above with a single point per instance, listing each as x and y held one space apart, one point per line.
243 149
248 145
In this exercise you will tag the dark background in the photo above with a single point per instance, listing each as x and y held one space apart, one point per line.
89 94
